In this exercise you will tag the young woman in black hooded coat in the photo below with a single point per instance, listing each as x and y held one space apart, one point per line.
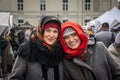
41 57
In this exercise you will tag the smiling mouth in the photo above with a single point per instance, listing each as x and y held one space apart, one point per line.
50 39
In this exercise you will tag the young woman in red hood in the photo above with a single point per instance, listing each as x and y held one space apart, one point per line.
83 61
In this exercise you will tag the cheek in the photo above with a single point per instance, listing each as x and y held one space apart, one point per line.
44 33
57 35
79 41
66 42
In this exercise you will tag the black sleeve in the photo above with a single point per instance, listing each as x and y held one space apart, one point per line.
24 50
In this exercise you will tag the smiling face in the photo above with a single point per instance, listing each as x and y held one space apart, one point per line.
50 35
72 40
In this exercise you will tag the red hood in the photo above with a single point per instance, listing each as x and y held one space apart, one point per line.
81 49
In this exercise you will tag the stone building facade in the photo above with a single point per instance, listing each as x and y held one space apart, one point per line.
80 11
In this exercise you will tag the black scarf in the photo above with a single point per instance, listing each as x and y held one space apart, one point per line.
39 52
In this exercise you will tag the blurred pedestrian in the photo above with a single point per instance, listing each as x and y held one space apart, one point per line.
21 36
94 59
104 35
6 56
27 34
114 48
13 38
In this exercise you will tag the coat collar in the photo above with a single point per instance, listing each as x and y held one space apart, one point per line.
81 63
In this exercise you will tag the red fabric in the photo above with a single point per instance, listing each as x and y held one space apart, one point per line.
51 25
81 49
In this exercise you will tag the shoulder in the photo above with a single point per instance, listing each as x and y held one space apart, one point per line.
98 44
24 49
99 48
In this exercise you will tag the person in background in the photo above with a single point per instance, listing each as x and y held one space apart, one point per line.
95 59
21 36
40 57
104 35
90 32
27 34
13 38
6 55
114 48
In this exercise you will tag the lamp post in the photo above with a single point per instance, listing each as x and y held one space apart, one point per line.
118 4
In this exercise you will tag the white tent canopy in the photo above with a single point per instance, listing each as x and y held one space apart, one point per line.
112 17
94 23
115 24
4 18
4 21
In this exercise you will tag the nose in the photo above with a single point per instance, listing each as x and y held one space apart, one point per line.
70 38
51 34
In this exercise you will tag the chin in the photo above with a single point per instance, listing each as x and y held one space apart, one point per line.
50 43
74 47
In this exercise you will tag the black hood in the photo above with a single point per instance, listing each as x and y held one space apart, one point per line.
48 19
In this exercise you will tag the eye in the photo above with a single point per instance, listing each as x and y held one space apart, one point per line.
73 34
47 30
55 31
65 37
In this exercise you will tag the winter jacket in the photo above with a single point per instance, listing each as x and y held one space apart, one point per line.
35 62
106 37
75 68
25 70
102 63
7 55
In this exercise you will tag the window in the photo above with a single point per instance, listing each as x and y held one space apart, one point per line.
42 5
20 5
87 4
65 5
20 22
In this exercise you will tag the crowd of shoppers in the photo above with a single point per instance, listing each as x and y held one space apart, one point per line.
63 51
10 39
